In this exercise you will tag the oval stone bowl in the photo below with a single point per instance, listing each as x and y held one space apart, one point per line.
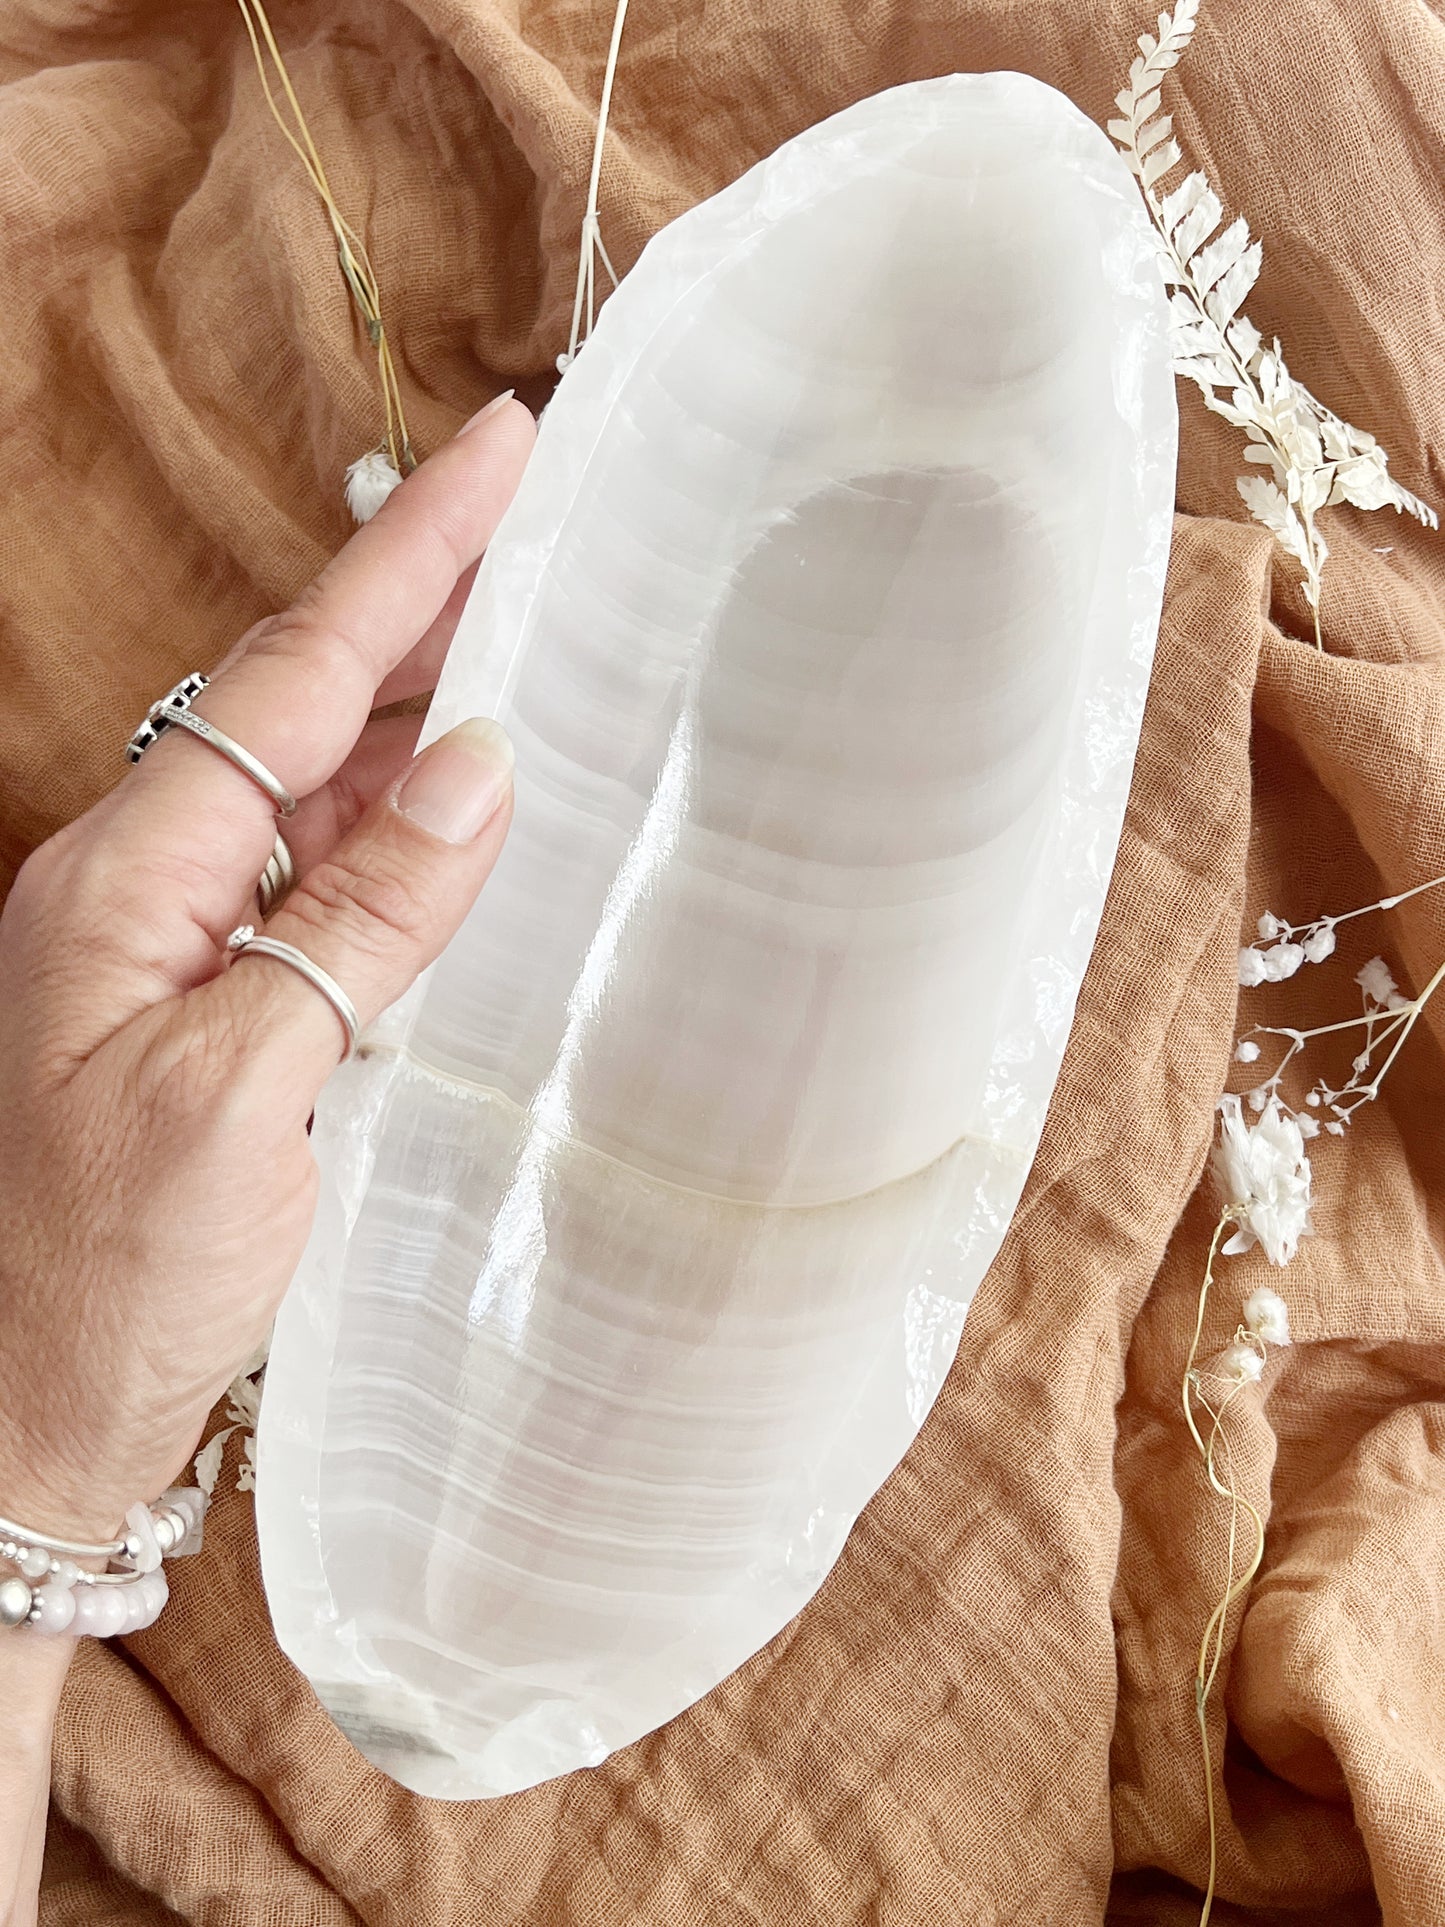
822 624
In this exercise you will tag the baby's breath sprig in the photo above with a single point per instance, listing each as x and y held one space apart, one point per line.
1314 460
1386 1020
372 477
1263 1175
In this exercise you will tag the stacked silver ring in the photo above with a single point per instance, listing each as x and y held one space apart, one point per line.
174 711
278 879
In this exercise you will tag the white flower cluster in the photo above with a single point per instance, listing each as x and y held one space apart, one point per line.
1282 949
1379 986
1387 1019
1266 1315
1265 1322
1262 1168
1263 1175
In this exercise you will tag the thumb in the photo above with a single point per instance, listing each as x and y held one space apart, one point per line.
377 911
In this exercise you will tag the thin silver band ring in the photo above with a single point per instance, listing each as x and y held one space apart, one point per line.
245 941
174 711
278 879
233 752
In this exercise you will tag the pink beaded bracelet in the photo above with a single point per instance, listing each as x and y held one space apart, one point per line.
51 1593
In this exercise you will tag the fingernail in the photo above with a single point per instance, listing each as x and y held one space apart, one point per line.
498 401
457 786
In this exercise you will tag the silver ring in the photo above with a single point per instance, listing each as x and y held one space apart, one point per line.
174 711
245 940
278 879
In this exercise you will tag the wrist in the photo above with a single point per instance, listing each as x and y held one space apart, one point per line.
32 1672
54 1488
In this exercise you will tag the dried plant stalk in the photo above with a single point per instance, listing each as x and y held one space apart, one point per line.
370 479
591 249
1264 1178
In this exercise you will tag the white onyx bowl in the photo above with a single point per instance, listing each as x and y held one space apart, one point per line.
822 623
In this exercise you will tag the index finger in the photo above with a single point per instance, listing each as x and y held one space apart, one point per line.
297 690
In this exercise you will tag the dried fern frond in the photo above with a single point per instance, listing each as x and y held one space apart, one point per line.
1313 459
243 1410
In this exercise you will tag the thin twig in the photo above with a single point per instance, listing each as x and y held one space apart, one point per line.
591 244
1207 1666
355 263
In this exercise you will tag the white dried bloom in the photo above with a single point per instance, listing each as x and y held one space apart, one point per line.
1320 944
1376 982
1268 926
1251 968
208 1460
1282 961
1264 1176
1267 1315
1247 1051
369 480
1242 1362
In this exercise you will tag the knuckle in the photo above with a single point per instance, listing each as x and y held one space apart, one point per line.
307 642
75 877
374 909
298 635
35 881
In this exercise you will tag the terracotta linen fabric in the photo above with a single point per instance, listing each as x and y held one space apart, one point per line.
986 1716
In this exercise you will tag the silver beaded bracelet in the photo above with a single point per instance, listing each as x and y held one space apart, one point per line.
51 1593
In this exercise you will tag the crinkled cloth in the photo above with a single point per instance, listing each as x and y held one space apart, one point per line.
986 1715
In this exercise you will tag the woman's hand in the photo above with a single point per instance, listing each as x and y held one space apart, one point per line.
156 1182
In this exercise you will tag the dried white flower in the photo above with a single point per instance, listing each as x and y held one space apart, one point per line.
1282 961
1241 1362
369 480
1320 943
1376 982
1268 926
1267 1315
243 1409
1251 968
1246 1052
208 1460
1263 1175
1314 459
